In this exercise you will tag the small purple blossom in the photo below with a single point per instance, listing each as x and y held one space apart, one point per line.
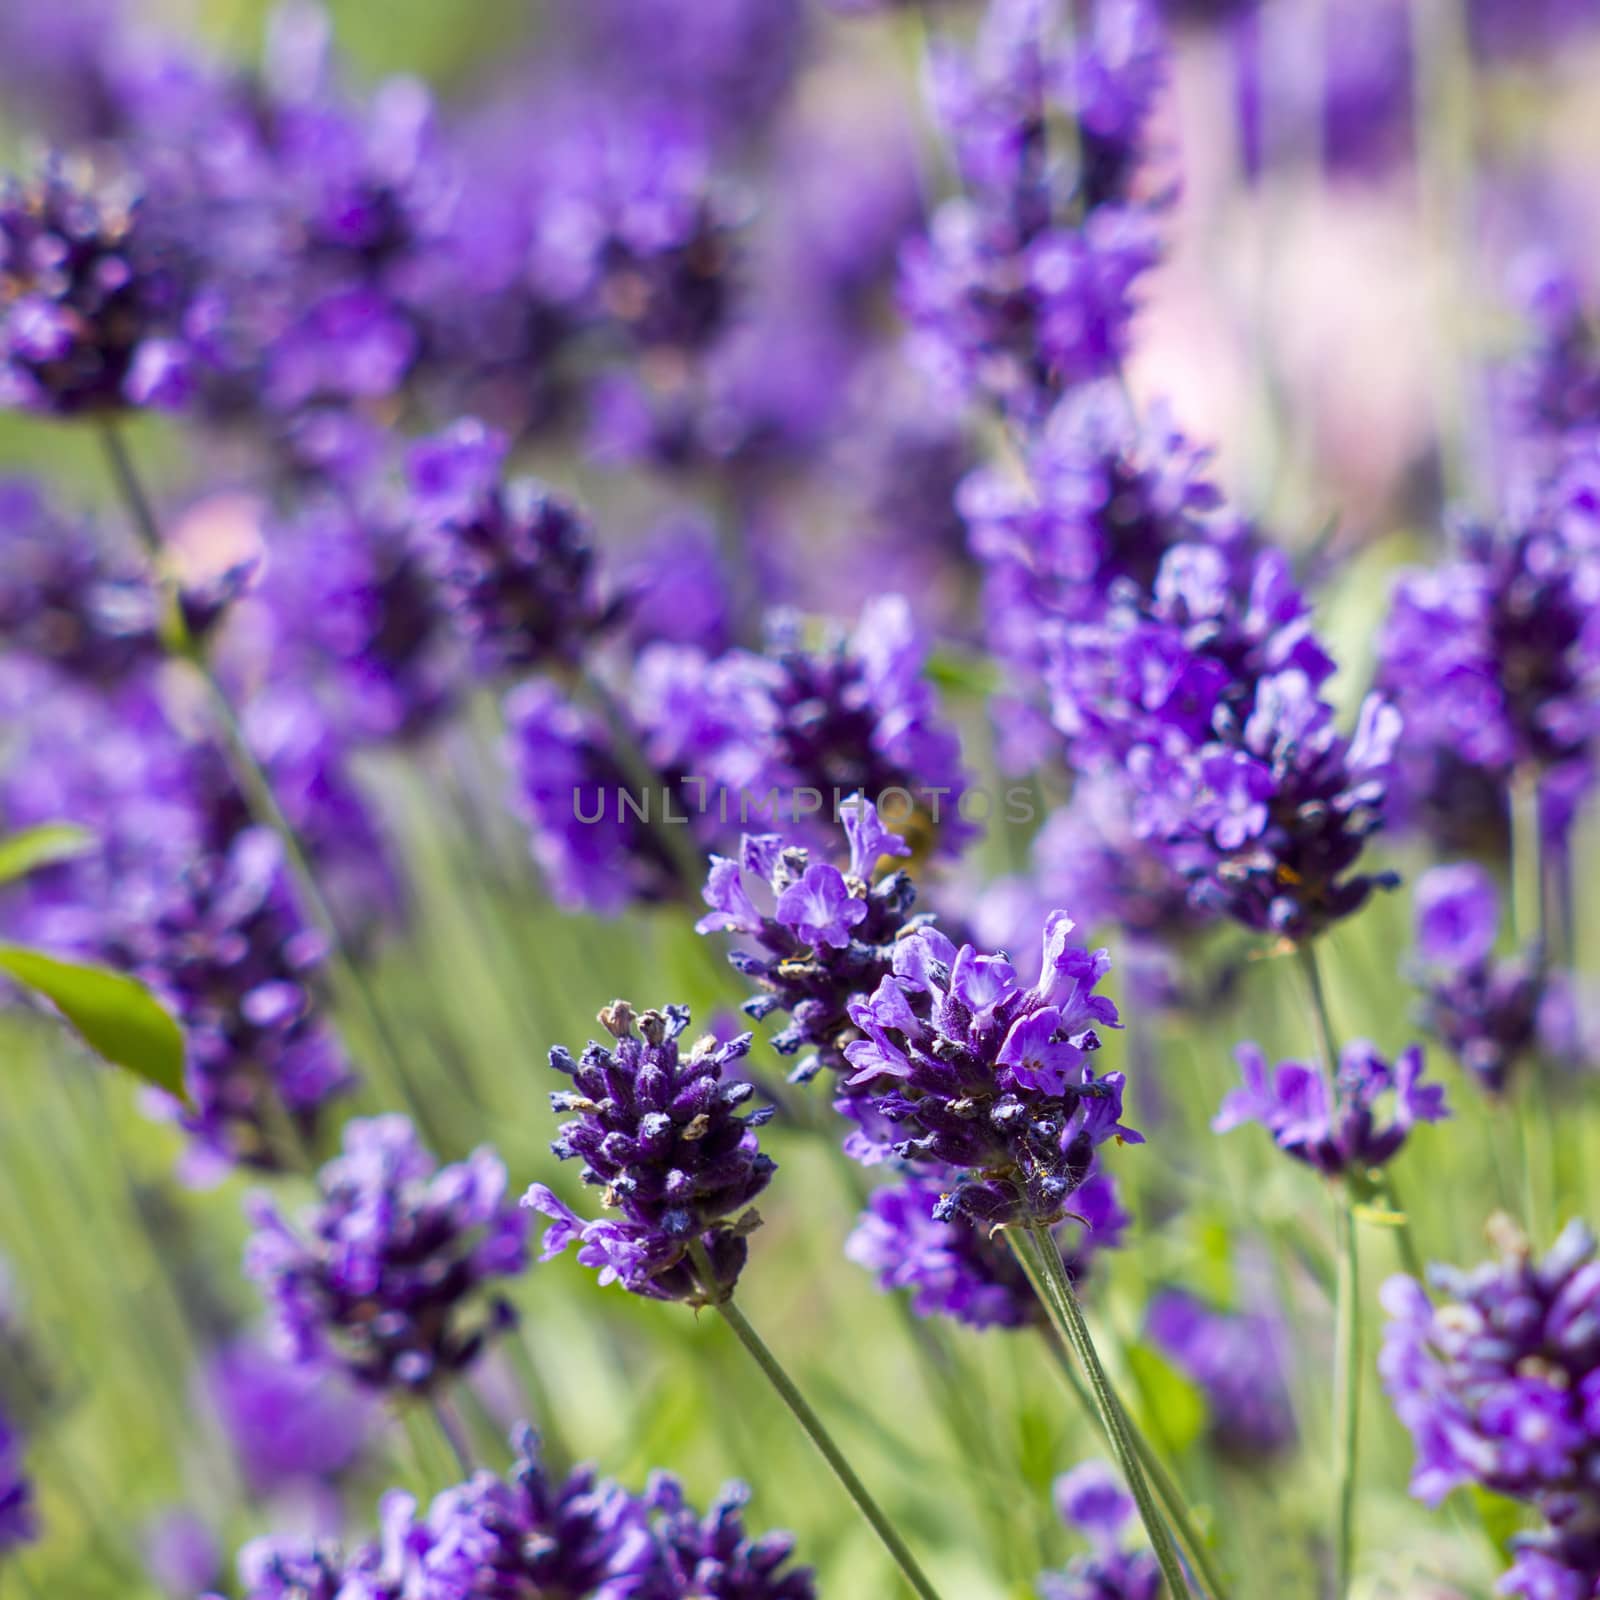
1239 1360
288 1422
957 1268
1500 1387
514 563
1347 1138
662 1135
1090 1499
91 300
381 1274
712 1555
965 1070
826 935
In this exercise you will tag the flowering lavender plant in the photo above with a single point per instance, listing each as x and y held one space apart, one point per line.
382 1275
661 1132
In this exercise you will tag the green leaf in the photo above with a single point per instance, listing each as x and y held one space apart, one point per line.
1501 1518
32 848
118 1017
1173 1407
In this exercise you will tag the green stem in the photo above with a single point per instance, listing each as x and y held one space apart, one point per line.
1166 1489
454 1432
1347 1396
1527 865
815 1430
1041 1261
1347 1308
254 783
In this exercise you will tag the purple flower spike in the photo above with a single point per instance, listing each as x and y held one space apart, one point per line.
1239 1361
1091 1499
90 298
965 1070
826 936
958 1268
713 1556
1500 1387
662 1134
515 564
1293 1107
380 1279
1458 914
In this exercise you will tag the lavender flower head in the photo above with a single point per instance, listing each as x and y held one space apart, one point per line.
273 1568
1208 697
90 302
1005 295
289 1423
18 1524
1500 1387
223 943
380 1277
1238 1359
513 562
1485 1009
957 1268
1494 656
964 1070
1090 1499
855 716
527 1534
713 1556
1346 1138
826 935
661 1133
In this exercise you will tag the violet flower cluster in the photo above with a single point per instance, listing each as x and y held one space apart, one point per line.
826 934
1500 1387
953 1267
1493 657
1348 1138
583 1537
663 1134
1091 1500
94 296
1024 285
385 1275
1493 1013
967 1074
1239 1361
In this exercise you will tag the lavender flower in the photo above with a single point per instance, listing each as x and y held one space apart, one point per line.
826 935
713 1556
663 1135
1499 1387
985 1080
528 1535
224 946
856 716
1238 1359
1208 698
1006 296
289 1423
514 564
595 849
18 1524
93 299
1347 1137
1494 657
1106 496
1090 1499
380 1279
1485 1009
273 1568
956 1268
